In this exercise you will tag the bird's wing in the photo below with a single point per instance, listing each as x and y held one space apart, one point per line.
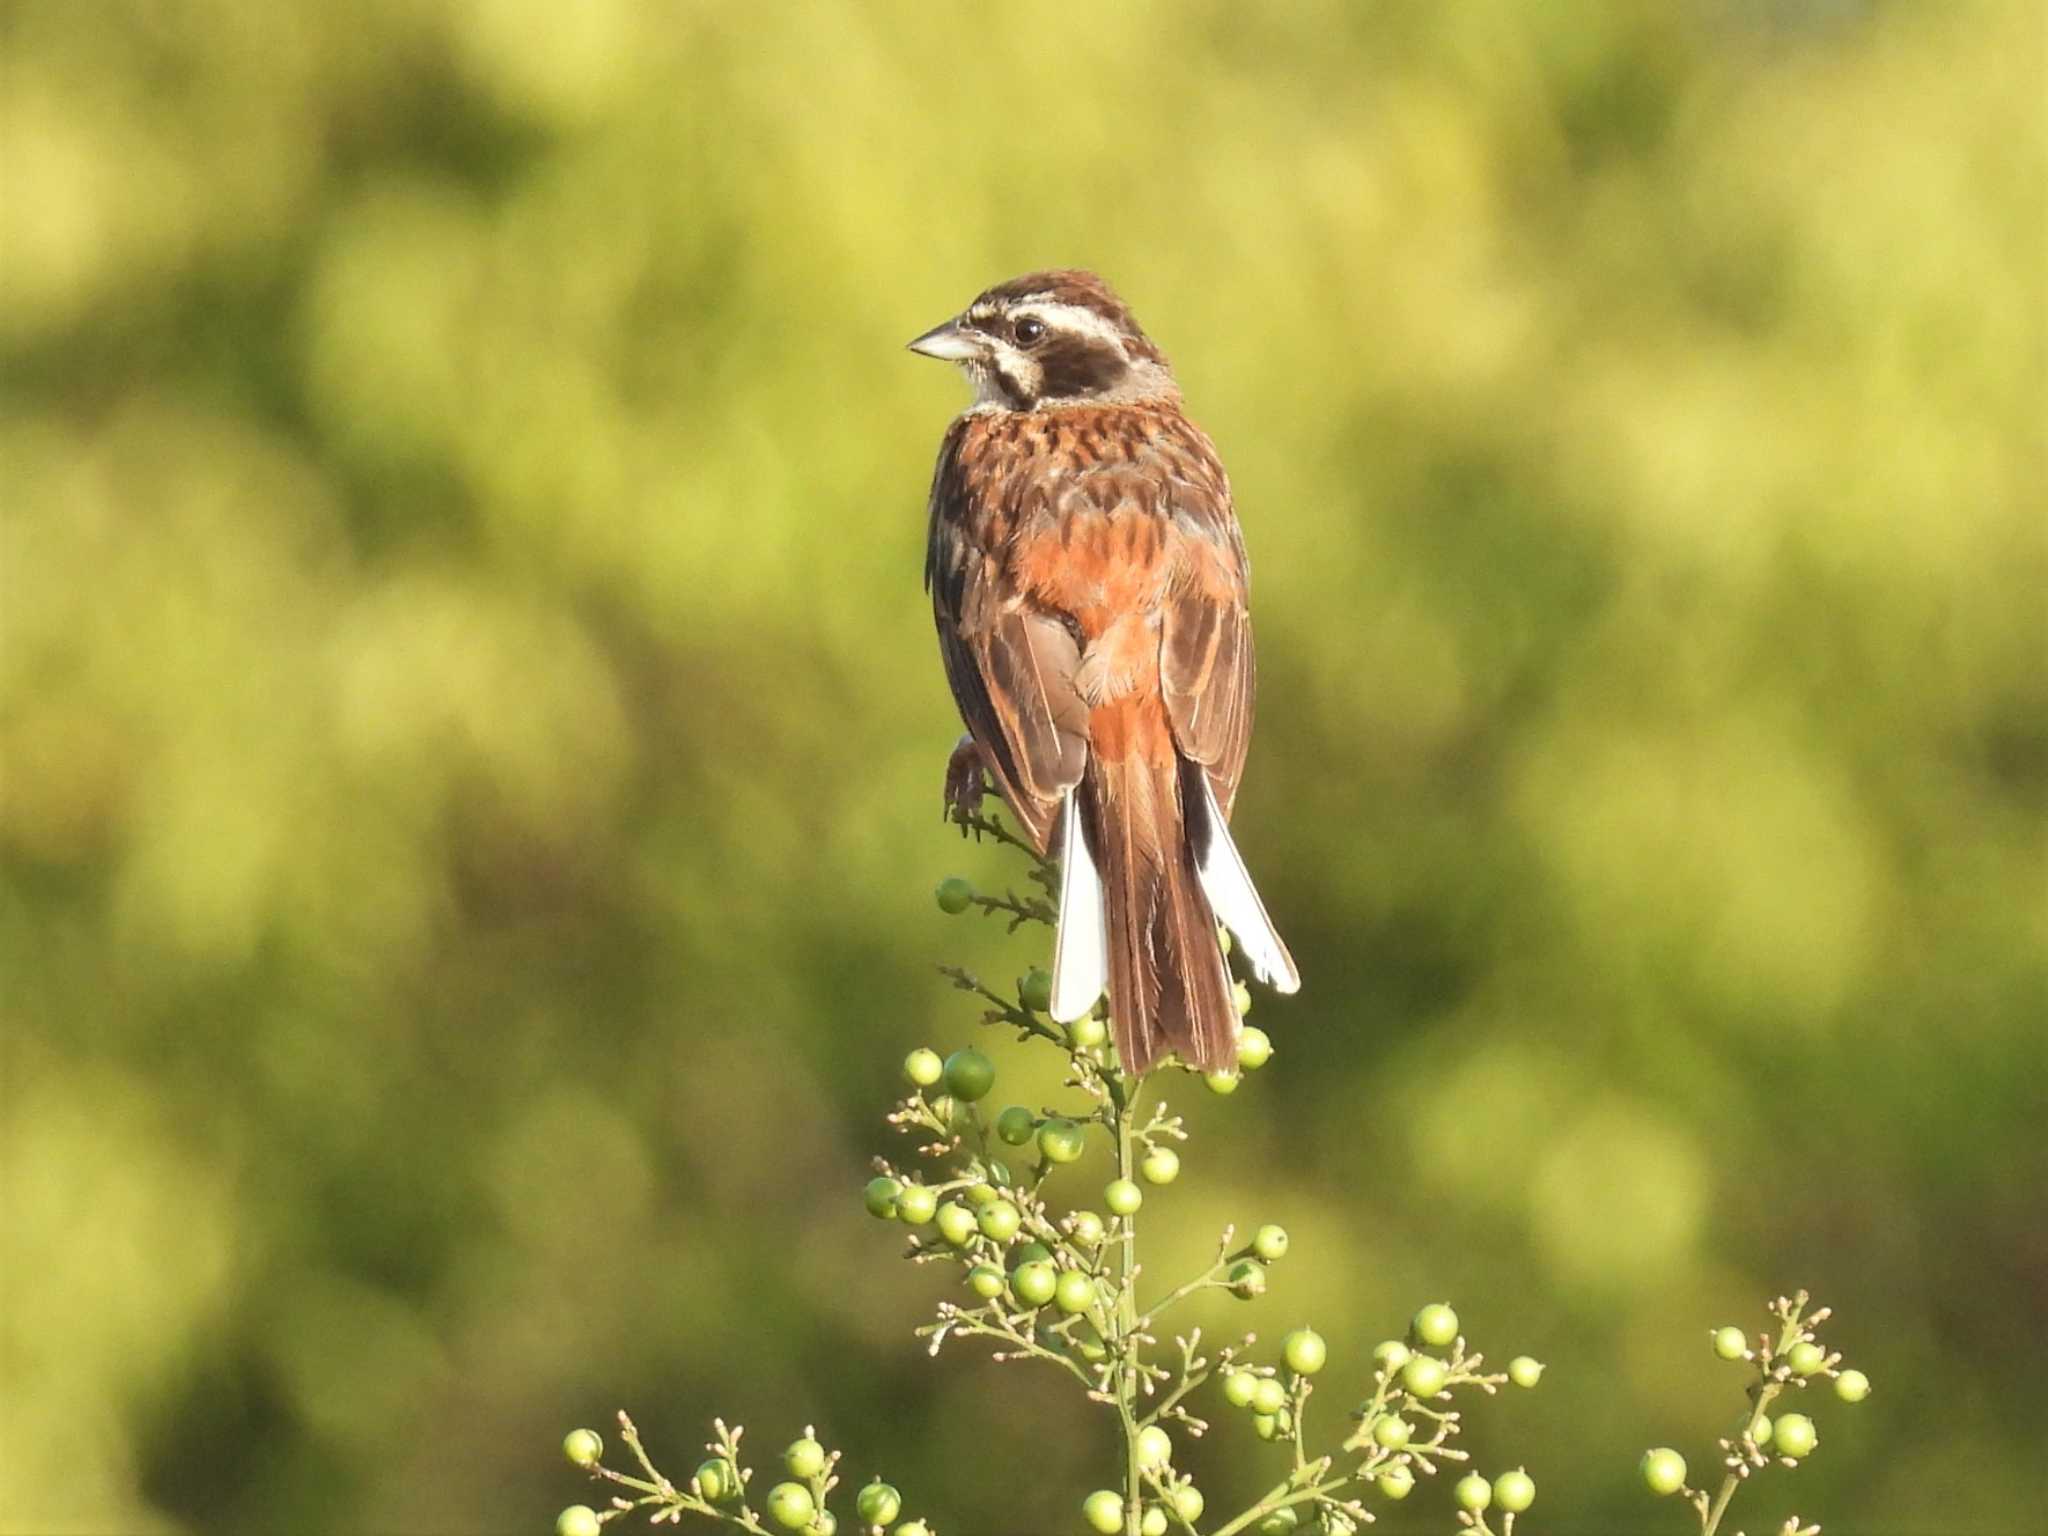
1206 666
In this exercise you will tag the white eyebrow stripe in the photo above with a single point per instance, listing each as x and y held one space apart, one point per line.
1076 319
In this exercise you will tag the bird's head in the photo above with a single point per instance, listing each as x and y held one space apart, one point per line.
1051 339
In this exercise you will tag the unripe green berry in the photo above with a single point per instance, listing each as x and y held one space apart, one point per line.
1034 1282
1730 1343
916 1204
805 1458
1034 990
583 1447
1762 1430
827 1524
1222 1084
1424 1375
1391 1433
1242 996
915 1528
1397 1482
986 1281
1254 1048
1304 1351
1514 1491
1268 1395
1239 1387
1436 1324
577 1520
1247 1279
980 1195
1794 1436
1016 1125
1525 1371
1806 1358
1161 1165
878 1504
1265 1425
923 1068
1155 1448
1187 1502
791 1506
956 1224
1122 1197
1279 1522
1852 1386
1087 1033
1391 1353
1086 1228
880 1196
1473 1492
1153 1522
1000 1221
954 894
969 1075
1061 1141
1270 1242
1104 1511
1663 1470
1076 1292
717 1481
1026 1253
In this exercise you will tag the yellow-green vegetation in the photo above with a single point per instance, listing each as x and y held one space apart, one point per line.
471 738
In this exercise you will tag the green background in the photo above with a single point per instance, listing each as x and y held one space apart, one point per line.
472 733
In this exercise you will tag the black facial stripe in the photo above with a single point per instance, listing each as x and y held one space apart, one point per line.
1016 394
1077 366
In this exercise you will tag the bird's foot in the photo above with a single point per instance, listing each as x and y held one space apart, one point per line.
964 787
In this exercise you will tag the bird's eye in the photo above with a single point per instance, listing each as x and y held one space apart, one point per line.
1029 330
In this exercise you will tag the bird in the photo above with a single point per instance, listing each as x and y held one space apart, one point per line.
1090 585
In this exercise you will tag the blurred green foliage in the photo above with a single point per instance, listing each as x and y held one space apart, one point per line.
472 735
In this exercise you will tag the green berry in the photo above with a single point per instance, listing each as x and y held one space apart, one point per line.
980 1195
956 1224
1222 1084
1663 1470
827 1524
1086 1228
880 1196
1391 1433
1242 996
717 1482
1087 1033
1034 1282
805 1458
1187 1502
1305 1351
1026 1253
1000 1221
1279 1522
1424 1375
1852 1386
1104 1511
1795 1435
1806 1358
1254 1048
1265 1425
1153 1523
1730 1343
986 1281
577 1520
969 1075
1514 1491
1525 1371
1076 1292
923 1067
1122 1197
791 1506
1247 1280
916 1205
1397 1482
1161 1165
915 1528
1155 1448
1239 1387
1762 1430
1268 1395
1473 1492
1270 1242
1061 1141
1436 1324
1034 990
1016 1124
954 894
583 1447
878 1504
1391 1353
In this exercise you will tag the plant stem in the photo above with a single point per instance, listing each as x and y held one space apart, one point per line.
1127 1319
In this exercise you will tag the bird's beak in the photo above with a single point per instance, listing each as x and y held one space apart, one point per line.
951 343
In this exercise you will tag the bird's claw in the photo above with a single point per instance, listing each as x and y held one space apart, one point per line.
964 787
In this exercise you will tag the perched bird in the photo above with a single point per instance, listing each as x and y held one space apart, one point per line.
1090 582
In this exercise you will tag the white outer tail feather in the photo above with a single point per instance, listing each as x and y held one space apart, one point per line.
1234 900
1080 946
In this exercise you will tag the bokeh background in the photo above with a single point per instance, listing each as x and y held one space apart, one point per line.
472 734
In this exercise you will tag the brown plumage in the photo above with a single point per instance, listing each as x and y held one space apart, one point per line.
1089 582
